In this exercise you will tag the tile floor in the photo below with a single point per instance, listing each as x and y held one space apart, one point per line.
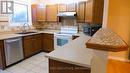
35 64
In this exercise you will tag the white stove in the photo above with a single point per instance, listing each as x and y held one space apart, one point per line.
64 36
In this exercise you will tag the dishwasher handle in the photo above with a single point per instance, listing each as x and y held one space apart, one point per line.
12 40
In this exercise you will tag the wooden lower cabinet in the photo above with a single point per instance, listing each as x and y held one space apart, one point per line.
2 55
32 44
61 67
27 46
37 43
48 42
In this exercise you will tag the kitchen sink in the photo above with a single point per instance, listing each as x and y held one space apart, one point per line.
26 32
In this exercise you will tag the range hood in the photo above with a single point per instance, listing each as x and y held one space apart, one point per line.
66 14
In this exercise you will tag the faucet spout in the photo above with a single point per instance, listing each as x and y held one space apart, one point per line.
24 27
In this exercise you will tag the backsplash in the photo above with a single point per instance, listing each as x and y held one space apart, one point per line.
47 25
56 25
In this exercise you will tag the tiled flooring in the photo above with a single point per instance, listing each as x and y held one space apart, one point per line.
35 64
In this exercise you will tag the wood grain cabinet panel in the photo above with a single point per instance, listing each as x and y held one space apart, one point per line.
71 7
62 7
61 67
38 13
41 13
34 13
81 12
98 11
27 46
37 43
52 11
32 44
89 11
94 11
2 55
48 42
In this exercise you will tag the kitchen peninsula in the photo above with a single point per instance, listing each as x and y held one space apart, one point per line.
76 53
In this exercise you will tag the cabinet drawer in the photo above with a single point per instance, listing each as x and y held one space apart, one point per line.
49 36
28 37
37 36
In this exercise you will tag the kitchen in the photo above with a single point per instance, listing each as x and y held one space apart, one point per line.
55 32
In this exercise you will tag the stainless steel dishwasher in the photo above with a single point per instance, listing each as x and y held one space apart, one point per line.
13 50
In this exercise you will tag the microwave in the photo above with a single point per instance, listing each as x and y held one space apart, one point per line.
91 29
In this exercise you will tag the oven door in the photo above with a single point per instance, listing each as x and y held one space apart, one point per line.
61 40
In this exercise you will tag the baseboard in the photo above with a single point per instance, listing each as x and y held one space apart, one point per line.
119 59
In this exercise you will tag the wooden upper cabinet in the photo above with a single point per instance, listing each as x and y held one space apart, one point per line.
71 7
89 11
67 7
98 11
52 11
41 13
94 11
34 12
81 12
62 7
38 13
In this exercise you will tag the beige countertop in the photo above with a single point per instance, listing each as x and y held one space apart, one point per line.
8 35
74 52
4 36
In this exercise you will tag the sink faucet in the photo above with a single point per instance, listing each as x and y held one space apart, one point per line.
24 27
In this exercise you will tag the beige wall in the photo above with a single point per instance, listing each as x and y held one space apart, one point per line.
119 22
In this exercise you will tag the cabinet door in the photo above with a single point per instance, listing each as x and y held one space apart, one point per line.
62 7
52 11
41 13
89 11
71 7
94 11
81 12
37 43
2 55
98 11
34 10
28 46
48 42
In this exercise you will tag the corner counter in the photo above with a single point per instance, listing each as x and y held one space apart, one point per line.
74 52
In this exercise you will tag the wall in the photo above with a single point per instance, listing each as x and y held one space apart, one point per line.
119 22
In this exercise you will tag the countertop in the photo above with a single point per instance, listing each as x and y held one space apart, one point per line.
74 52
4 36
106 40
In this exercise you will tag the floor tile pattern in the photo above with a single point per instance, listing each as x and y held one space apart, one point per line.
35 64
